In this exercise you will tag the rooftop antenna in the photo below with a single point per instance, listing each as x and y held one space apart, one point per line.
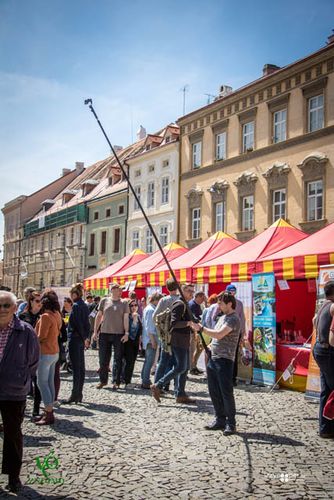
210 96
184 89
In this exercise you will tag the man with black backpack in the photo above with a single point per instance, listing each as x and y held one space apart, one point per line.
181 325
163 308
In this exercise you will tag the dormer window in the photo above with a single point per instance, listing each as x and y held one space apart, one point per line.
68 195
47 204
88 185
168 138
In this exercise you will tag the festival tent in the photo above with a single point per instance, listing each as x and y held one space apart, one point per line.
102 279
301 260
218 244
239 264
138 272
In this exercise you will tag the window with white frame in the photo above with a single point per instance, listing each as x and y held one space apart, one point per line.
315 200
219 216
151 168
148 241
247 213
279 125
163 235
279 204
247 136
138 193
315 113
150 195
221 146
197 154
135 240
165 190
196 223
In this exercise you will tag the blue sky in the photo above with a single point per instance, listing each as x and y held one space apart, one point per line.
132 57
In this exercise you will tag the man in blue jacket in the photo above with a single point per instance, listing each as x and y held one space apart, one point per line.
19 355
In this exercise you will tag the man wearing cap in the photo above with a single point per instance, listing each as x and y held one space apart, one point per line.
113 316
220 366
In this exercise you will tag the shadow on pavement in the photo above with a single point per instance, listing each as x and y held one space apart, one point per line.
103 407
37 441
28 492
75 429
75 412
261 437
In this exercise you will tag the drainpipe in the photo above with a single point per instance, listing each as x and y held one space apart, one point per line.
127 209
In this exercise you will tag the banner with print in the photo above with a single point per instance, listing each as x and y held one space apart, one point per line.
264 328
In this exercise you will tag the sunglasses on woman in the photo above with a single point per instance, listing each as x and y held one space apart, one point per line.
5 306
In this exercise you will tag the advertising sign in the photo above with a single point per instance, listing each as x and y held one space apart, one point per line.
264 328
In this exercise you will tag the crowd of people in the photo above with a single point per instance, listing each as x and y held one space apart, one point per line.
39 336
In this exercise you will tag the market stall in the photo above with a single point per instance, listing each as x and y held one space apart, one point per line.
99 282
218 244
138 274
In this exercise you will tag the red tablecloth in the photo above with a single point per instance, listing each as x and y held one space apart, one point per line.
285 353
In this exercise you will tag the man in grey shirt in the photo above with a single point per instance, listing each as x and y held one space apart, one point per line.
220 367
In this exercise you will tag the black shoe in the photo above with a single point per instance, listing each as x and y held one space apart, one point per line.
14 485
326 435
70 401
229 430
196 371
235 382
214 426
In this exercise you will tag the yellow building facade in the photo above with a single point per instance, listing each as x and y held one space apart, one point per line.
261 152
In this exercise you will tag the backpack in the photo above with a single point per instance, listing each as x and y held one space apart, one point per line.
164 328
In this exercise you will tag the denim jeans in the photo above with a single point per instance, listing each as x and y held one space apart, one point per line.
148 363
106 342
178 370
46 377
76 350
220 382
165 364
325 360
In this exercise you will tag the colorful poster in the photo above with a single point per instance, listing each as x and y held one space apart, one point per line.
245 368
264 328
326 273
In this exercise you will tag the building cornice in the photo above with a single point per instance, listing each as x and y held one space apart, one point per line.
152 152
260 84
280 146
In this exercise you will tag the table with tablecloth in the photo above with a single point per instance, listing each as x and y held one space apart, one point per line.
285 353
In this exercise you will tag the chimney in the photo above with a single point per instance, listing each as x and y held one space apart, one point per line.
268 69
330 38
65 171
79 166
141 133
225 90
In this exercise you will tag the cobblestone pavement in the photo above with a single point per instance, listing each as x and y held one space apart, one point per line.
123 445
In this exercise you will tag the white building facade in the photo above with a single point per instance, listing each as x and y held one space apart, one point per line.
154 173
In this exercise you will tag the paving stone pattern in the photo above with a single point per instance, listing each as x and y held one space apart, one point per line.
124 445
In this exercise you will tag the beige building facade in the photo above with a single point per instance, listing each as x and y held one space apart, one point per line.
261 152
